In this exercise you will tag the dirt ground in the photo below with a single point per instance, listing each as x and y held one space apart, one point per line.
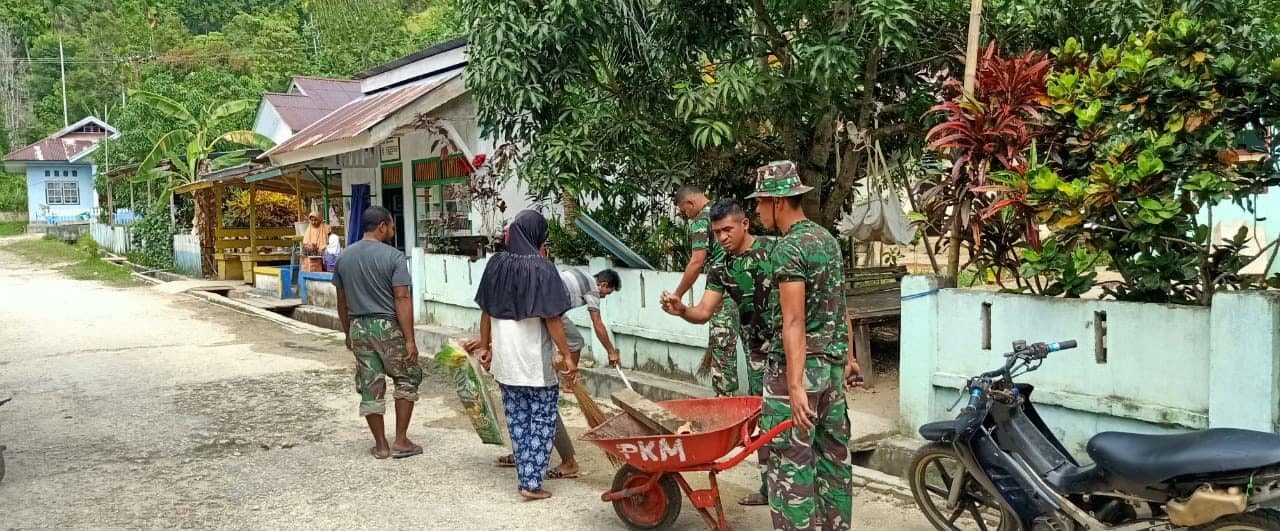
133 408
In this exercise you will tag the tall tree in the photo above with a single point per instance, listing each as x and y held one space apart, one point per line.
708 89
14 102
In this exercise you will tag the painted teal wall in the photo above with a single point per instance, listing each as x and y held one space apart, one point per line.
1167 368
37 178
647 338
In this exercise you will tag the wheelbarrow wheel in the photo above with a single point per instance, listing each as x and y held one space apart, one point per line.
656 509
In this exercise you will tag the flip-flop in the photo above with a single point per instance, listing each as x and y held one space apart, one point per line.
555 473
753 500
507 461
416 450
374 452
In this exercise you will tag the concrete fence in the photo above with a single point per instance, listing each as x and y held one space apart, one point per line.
114 238
13 216
648 338
1140 367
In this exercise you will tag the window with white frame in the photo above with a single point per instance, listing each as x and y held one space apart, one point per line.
62 193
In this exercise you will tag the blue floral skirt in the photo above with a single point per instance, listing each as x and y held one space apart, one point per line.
531 421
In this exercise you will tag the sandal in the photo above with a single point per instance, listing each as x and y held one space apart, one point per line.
374 451
507 461
401 454
754 499
555 473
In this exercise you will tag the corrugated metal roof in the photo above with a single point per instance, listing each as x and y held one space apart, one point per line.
315 97
358 116
416 56
63 145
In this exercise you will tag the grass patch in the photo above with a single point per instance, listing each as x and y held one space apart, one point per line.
12 228
81 261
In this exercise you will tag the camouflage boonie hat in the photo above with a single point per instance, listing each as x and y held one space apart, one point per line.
779 179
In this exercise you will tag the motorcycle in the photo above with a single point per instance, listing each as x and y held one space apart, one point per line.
998 467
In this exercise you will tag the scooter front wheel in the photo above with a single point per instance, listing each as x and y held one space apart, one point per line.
936 474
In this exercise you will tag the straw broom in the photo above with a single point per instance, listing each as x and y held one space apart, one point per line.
590 409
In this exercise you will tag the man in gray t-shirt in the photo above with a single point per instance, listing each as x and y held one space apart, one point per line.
376 308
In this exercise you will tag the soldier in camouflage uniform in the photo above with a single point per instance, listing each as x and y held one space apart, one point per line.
745 277
809 363
375 305
722 341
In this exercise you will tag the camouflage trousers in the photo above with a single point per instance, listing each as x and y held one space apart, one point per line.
378 345
809 473
722 343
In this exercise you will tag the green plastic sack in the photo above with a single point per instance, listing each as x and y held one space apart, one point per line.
471 390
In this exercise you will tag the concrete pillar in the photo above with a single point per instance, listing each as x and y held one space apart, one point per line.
417 272
918 348
1244 362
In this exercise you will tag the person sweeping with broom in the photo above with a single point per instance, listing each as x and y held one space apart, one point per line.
583 291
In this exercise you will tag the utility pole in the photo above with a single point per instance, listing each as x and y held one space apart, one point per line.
62 65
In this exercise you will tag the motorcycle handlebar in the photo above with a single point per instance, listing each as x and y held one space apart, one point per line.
1062 345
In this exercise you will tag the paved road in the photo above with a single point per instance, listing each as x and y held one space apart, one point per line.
138 409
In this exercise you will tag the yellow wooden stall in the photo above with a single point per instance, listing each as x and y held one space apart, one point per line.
238 250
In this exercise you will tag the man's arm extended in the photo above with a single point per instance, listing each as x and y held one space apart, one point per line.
344 316
694 314
691 271
404 315
791 298
602 334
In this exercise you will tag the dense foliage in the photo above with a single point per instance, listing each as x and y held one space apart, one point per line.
1139 139
603 93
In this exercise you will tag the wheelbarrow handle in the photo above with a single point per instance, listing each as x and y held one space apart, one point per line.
751 446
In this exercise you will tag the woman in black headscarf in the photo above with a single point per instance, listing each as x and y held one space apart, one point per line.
522 299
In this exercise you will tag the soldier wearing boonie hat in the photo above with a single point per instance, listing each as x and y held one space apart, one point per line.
809 473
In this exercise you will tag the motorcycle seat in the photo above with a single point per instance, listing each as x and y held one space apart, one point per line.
938 431
1152 459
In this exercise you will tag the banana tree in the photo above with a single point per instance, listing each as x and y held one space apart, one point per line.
189 148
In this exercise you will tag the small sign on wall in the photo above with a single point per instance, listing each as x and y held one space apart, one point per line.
390 149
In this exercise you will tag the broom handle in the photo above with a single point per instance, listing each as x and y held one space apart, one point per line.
562 365
624 377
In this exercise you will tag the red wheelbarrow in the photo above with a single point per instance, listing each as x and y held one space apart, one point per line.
646 491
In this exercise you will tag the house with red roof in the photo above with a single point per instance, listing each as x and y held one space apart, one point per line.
281 114
60 170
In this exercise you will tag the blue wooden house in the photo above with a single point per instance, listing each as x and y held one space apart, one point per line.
60 170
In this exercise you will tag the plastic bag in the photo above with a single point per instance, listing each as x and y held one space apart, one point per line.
476 401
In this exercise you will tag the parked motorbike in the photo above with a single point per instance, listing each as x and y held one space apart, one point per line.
998 467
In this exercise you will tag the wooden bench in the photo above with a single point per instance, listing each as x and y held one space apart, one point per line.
873 295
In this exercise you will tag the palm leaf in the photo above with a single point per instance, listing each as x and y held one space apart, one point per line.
166 106
230 108
248 138
158 152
